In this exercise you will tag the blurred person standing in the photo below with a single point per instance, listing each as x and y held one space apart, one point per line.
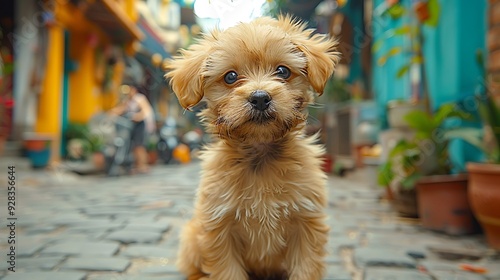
136 107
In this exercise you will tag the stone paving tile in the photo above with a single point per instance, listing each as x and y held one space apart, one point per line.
436 265
96 264
51 275
66 236
385 273
145 226
109 212
33 230
455 275
96 221
382 256
333 259
399 237
341 242
135 277
148 251
144 218
493 268
3 264
135 236
171 238
67 219
28 246
337 272
28 221
381 227
39 263
160 269
82 248
96 231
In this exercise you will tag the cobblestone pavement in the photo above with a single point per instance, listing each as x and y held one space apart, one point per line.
72 227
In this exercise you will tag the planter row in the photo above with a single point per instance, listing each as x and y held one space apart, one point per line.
457 204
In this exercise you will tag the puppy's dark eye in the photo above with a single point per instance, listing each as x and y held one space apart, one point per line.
283 72
230 77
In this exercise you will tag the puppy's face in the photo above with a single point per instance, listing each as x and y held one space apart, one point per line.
255 77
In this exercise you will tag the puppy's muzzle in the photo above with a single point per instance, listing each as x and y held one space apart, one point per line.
260 100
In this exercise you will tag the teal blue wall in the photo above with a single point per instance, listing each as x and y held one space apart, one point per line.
385 85
449 51
354 11
453 73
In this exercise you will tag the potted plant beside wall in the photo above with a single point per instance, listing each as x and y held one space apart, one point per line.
84 145
423 165
484 182
396 175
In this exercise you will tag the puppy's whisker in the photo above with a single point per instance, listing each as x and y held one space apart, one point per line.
313 120
316 105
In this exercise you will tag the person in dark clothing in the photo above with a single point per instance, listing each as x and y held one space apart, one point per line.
137 107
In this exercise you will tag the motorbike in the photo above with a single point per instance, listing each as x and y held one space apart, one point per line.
116 132
168 141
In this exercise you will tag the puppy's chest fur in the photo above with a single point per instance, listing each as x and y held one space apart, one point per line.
262 216
261 194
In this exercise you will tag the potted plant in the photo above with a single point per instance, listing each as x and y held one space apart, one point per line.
484 181
152 150
82 145
423 165
38 149
96 150
396 179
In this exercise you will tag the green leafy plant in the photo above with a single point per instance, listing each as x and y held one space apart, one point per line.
423 13
489 111
427 152
93 142
413 31
337 90
152 142
96 143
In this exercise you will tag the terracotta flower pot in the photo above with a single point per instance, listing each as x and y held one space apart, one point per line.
38 149
443 204
37 144
99 160
405 202
484 195
152 157
327 163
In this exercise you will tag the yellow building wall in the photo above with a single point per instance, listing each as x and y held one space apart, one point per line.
50 102
84 90
110 97
85 84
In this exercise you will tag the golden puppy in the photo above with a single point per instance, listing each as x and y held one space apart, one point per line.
259 208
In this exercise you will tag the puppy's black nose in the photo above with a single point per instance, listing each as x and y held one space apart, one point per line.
260 100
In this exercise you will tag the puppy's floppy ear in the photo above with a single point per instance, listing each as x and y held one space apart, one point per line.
321 60
186 74
319 50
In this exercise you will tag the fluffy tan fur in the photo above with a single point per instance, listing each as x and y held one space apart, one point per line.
259 207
